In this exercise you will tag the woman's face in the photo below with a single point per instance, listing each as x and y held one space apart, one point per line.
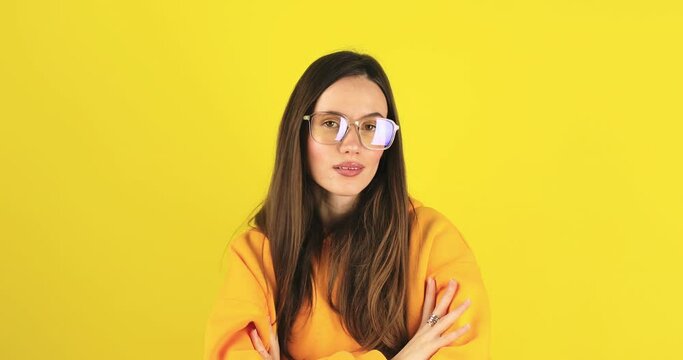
356 97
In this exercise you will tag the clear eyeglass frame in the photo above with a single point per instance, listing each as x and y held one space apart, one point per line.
309 117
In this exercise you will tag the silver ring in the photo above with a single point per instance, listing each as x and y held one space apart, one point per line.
433 319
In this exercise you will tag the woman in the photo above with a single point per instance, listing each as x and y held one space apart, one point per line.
341 263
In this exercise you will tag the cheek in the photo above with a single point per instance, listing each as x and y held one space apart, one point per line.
375 157
372 163
315 156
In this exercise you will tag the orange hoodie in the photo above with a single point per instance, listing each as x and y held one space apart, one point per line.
437 249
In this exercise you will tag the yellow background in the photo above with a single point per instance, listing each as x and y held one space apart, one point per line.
136 136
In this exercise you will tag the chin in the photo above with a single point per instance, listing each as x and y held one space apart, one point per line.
345 186
345 192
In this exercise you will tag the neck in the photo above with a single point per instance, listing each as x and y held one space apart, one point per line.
333 207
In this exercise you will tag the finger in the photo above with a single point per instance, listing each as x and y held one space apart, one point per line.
449 338
445 301
258 344
445 322
430 299
274 344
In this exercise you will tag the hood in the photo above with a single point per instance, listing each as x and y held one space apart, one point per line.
416 203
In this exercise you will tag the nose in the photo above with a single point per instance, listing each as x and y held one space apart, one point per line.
351 141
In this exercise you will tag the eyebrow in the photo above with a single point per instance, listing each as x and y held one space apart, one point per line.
364 116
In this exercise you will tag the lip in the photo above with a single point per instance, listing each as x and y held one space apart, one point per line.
349 168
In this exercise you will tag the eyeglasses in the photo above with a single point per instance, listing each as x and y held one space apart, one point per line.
374 132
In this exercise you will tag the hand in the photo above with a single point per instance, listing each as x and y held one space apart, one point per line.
274 353
428 339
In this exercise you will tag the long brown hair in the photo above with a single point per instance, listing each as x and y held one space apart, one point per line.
369 260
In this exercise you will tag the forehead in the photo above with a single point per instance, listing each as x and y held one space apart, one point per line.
355 96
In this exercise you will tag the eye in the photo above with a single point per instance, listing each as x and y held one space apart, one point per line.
369 127
330 124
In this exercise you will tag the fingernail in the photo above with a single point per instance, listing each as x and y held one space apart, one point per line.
451 282
468 301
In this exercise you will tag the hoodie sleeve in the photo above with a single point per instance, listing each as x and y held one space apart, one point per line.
450 257
241 300
244 298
